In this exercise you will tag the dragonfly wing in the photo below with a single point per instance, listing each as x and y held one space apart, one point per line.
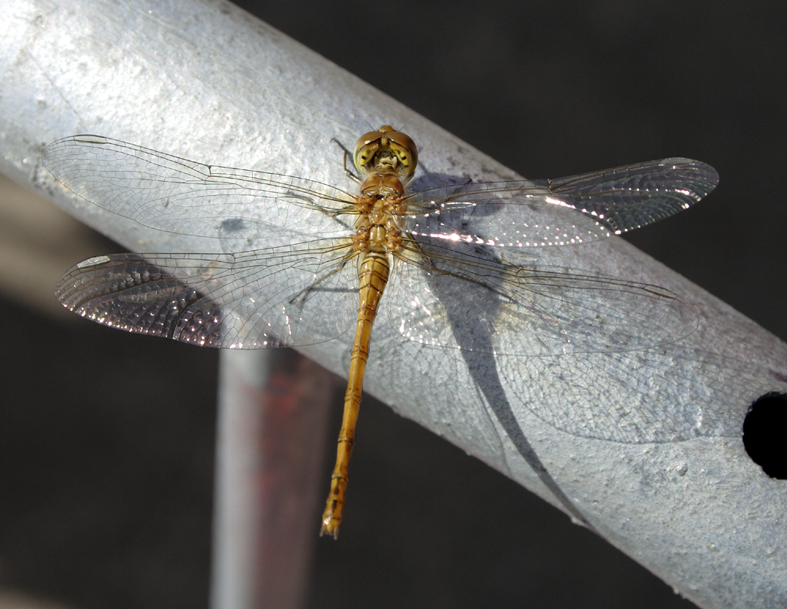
629 197
284 296
171 194
463 297
544 212
469 301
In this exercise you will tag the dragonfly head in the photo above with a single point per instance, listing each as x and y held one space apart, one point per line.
386 151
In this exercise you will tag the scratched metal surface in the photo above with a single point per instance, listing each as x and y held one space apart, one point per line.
667 492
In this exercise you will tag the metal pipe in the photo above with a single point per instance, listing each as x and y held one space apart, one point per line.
273 411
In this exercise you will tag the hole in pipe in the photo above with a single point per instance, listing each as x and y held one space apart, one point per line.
765 434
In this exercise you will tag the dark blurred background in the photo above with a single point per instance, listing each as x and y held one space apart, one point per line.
106 486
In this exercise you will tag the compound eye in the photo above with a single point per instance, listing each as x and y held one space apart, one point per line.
367 139
405 149
365 149
364 155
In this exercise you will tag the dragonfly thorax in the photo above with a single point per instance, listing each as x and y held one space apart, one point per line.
378 228
382 185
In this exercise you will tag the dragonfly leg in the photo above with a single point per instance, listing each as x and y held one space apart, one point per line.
347 172
412 253
304 293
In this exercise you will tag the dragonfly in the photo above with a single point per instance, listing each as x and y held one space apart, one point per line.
289 261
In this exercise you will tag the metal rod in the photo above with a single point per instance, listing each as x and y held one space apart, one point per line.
273 411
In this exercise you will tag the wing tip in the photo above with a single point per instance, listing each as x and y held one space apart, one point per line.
706 175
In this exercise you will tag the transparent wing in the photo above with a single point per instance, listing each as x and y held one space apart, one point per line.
282 296
463 297
544 212
168 193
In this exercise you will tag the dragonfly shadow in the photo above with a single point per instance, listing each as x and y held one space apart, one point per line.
471 323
